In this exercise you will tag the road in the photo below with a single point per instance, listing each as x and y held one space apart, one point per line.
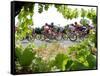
66 43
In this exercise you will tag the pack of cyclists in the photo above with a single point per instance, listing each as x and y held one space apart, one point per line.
52 31
74 29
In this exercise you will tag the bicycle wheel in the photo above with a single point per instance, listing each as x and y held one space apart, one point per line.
42 37
65 36
73 37
38 37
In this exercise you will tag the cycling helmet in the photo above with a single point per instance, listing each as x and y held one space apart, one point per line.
46 23
52 23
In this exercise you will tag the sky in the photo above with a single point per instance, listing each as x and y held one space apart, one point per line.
52 15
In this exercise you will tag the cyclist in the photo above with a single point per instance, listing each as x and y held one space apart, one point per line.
90 28
72 28
52 25
46 28
77 26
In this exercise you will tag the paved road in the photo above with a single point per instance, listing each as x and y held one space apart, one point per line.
66 43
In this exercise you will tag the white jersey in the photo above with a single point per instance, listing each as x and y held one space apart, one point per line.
72 28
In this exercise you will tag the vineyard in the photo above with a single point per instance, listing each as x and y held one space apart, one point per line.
51 57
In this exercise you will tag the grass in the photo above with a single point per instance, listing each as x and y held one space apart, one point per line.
49 51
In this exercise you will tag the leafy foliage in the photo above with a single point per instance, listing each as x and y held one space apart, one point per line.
83 12
68 64
91 61
40 65
25 20
78 66
46 7
60 61
67 12
84 21
18 51
92 15
25 56
82 54
40 8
